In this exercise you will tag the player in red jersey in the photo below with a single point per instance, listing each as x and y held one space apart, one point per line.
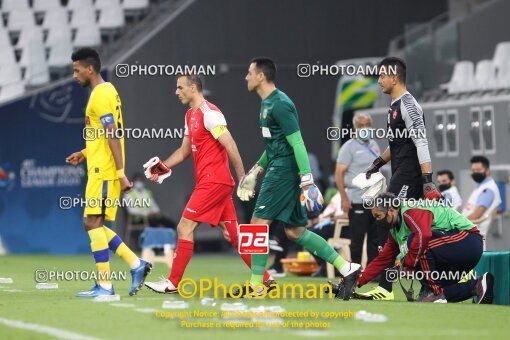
207 138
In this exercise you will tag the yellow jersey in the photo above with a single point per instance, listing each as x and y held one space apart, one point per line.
103 108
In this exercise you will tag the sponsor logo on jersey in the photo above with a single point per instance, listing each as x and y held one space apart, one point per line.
403 191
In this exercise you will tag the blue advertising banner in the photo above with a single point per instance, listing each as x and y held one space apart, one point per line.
37 133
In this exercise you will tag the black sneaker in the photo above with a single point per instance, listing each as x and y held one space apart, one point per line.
424 292
349 282
484 289
271 285
333 287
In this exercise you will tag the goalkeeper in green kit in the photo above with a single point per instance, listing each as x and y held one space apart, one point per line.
288 186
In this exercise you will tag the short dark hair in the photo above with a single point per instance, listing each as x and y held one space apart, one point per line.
266 66
87 56
480 159
386 200
193 79
399 64
446 172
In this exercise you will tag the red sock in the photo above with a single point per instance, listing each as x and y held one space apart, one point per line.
183 254
234 237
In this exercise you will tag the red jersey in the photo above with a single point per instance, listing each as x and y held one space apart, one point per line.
209 156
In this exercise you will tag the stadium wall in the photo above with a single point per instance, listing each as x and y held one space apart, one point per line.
37 133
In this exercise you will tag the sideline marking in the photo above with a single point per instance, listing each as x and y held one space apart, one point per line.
56 332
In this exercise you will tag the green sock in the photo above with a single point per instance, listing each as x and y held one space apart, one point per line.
320 247
258 265
339 263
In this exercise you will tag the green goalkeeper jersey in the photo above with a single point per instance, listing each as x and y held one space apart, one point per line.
278 119
445 219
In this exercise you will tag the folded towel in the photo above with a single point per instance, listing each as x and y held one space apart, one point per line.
375 185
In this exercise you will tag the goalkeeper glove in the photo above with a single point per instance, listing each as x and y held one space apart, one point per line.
311 197
429 188
246 188
156 167
376 165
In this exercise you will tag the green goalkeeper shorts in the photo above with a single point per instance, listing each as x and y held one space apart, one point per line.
279 198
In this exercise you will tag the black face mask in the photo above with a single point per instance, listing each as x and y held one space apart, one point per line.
383 223
443 187
478 177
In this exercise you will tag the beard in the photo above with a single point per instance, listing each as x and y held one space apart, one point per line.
85 83
383 223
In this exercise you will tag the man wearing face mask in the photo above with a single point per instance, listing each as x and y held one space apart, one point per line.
436 240
354 157
446 185
408 151
485 198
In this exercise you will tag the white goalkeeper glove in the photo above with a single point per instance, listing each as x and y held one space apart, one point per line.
246 188
156 167
311 197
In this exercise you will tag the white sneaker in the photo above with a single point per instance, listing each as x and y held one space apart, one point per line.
257 294
274 273
165 286
349 268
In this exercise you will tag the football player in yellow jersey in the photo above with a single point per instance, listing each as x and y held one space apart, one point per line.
104 152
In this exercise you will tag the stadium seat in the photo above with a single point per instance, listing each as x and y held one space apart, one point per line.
28 36
501 54
9 73
45 5
85 17
135 9
462 79
111 15
503 76
11 91
79 4
83 21
14 5
18 20
7 56
61 48
11 84
102 4
33 58
5 42
87 37
485 75
56 18
135 4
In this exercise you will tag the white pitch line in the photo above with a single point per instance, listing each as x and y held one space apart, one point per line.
56 332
